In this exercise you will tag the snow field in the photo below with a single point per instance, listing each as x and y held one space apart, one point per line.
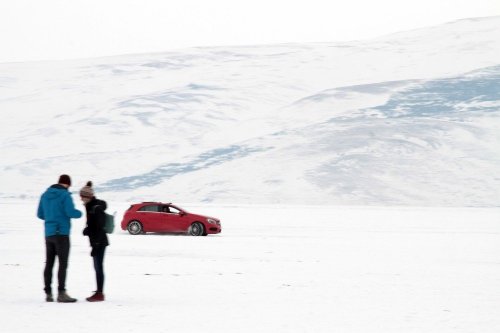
272 269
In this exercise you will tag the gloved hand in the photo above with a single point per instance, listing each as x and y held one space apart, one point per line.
86 231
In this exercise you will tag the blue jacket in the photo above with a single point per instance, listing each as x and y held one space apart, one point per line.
57 208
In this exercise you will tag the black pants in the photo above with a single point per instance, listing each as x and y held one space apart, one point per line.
56 246
98 255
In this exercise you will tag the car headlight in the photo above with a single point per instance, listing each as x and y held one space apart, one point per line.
211 221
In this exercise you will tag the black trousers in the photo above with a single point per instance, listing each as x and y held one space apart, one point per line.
98 256
56 246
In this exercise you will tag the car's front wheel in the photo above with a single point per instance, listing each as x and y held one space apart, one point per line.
196 229
135 228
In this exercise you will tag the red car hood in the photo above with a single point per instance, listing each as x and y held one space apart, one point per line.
198 216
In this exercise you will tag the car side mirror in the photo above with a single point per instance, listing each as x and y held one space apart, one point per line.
181 213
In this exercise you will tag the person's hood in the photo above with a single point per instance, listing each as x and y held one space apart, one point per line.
96 202
56 191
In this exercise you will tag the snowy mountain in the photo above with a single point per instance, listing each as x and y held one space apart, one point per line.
406 119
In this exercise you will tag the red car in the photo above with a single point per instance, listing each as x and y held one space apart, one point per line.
165 217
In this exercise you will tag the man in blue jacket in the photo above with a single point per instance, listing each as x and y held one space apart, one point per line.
57 208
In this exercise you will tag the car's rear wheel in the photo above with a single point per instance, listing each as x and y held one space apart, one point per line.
135 228
196 229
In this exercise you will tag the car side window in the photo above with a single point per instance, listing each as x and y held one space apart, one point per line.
165 209
149 208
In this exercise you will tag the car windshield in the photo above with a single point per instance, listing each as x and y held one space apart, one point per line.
174 210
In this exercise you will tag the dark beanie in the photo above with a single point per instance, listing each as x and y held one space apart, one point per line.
64 179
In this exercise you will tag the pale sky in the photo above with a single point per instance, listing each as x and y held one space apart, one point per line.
65 29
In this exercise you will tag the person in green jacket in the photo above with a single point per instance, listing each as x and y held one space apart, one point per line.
56 208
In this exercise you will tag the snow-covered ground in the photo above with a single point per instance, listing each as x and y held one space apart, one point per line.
406 119
272 269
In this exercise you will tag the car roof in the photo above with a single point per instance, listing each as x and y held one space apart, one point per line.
154 202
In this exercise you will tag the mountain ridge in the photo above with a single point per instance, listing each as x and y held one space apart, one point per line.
311 123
